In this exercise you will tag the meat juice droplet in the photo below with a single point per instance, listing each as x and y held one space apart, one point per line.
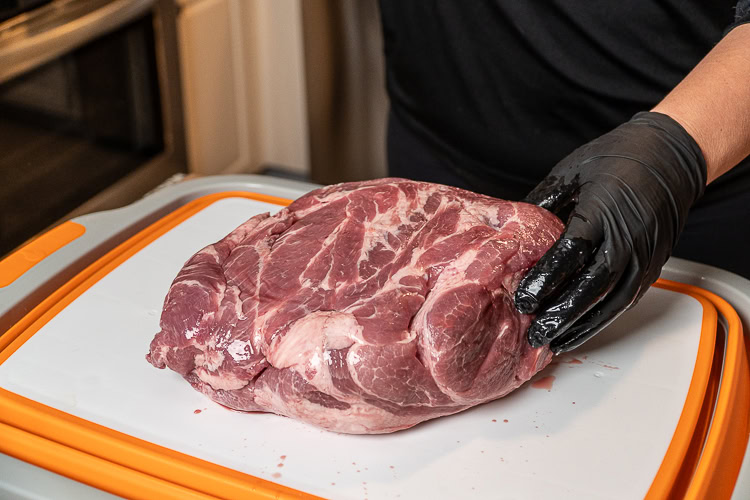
494 420
197 411
611 367
276 475
505 420
575 361
279 465
283 457
544 383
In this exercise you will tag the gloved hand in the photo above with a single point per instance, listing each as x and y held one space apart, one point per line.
628 194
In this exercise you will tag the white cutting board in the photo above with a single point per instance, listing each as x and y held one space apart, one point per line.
600 431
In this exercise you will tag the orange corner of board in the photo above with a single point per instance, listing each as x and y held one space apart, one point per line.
17 263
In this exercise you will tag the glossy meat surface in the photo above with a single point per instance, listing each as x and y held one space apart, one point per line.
361 308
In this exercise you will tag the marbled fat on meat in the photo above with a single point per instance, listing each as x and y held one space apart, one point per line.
361 308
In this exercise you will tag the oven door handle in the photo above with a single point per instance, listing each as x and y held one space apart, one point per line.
29 40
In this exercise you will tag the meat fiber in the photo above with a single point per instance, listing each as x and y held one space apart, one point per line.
361 308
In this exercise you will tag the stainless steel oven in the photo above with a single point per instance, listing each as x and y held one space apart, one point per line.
90 108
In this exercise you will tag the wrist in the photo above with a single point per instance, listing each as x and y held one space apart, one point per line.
711 150
675 148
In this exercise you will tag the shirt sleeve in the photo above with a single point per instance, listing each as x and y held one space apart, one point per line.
741 15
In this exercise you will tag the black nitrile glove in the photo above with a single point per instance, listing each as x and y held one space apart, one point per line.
628 193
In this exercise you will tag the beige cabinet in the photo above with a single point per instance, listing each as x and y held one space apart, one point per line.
242 66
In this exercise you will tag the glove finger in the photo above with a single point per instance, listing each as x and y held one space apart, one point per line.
624 296
593 322
553 193
585 292
563 260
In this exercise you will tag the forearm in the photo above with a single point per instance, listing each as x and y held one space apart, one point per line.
713 103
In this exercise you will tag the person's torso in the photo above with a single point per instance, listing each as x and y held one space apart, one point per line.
511 87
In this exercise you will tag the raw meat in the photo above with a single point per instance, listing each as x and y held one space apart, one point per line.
361 308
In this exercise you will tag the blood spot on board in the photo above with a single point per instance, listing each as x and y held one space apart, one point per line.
505 420
197 411
611 367
280 465
494 420
574 402
544 383
333 484
392 467
574 361
276 475
283 457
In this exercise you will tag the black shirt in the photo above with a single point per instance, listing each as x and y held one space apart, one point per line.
500 91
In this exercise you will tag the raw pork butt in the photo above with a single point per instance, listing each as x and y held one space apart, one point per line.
361 308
